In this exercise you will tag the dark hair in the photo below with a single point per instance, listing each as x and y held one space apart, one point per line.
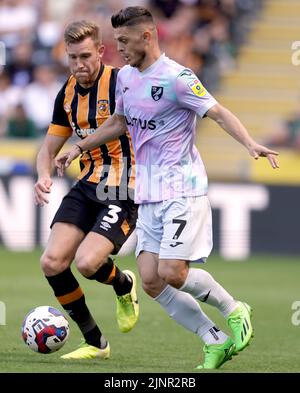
131 16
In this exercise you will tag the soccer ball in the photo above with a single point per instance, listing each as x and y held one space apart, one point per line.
45 329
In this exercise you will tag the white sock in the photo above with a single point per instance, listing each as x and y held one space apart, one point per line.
202 286
214 336
185 310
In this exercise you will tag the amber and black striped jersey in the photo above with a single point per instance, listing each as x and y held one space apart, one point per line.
81 111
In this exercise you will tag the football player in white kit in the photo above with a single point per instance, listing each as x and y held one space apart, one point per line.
158 101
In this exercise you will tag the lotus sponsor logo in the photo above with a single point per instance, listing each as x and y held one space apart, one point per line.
142 123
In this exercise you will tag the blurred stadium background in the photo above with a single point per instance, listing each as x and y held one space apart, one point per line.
245 53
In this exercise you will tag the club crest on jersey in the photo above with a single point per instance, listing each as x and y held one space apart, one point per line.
102 107
197 88
157 92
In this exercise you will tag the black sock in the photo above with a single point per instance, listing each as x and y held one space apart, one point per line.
110 274
69 294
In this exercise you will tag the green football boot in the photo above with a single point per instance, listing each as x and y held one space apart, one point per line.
217 354
239 321
86 351
128 307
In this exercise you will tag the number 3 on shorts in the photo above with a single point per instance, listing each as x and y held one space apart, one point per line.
112 215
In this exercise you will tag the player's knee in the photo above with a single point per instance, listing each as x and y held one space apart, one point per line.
151 284
52 264
172 274
151 288
148 287
87 265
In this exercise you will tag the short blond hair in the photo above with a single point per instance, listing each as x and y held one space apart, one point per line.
77 31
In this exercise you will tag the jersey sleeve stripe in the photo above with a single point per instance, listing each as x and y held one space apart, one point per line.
55 129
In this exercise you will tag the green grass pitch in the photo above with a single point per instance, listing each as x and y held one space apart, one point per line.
157 344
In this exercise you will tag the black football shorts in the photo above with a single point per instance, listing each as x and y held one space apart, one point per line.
113 219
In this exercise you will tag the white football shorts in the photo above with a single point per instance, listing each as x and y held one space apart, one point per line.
178 228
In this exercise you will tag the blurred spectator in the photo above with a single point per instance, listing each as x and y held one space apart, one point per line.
288 133
167 7
20 66
9 97
58 9
19 125
39 96
18 20
220 54
48 34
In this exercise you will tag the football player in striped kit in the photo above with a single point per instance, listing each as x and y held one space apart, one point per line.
97 216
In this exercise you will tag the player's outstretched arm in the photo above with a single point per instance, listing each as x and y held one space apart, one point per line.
232 125
44 164
108 131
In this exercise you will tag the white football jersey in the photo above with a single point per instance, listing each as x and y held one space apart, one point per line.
160 105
